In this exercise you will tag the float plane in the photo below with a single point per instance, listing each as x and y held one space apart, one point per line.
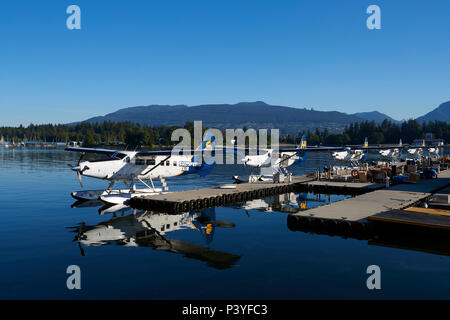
351 155
270 161
391 153
139 166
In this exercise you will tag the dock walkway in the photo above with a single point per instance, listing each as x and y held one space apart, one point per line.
367 206
197 199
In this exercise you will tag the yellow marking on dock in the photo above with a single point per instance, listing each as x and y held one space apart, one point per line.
439 212
413 218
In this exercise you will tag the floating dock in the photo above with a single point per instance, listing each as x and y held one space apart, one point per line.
338 187
384 205
197 199
373 203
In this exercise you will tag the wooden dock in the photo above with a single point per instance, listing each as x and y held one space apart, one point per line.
339 187
380 205
197 199
373 203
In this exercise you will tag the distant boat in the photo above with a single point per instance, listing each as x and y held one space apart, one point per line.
4 144
73 144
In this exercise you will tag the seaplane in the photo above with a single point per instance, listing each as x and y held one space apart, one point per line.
270 161
351 155
417 151
391 153
132 167
433 151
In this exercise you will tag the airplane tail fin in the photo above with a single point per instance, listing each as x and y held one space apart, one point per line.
302 144
208 159
304 156
366 143
208 142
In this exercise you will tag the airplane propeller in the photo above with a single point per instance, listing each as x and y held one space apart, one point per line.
78 169
79 178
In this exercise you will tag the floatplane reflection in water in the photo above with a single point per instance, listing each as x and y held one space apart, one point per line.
288 202
151 229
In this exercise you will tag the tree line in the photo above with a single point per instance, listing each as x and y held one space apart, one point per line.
386 132
135 134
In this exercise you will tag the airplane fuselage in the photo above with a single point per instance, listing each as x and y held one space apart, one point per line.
354 155
133 167
390 153
270 159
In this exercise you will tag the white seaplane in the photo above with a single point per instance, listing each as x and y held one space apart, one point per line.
270 161
351 155
140 166
392 153
416 151
433 151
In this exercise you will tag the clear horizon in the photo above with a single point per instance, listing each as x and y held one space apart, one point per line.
308 54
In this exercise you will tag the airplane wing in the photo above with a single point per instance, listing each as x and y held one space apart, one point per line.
111 153
322 149
121 154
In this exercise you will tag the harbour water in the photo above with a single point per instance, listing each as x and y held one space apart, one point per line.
236 252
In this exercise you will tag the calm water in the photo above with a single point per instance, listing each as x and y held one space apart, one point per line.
233 252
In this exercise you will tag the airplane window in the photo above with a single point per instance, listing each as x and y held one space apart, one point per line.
127 159
162 163
175 224
174 163
140 162
162 228
167 163
168 226
151 162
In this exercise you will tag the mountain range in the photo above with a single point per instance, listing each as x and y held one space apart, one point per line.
441 113
376 116
254 115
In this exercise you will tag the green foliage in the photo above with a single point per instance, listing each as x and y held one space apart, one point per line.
386 132
136 135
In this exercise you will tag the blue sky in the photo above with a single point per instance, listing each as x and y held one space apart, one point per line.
298 53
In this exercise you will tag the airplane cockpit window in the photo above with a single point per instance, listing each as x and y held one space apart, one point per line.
127 159
140 162
151 162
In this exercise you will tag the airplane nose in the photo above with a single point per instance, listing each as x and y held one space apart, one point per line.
76 168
